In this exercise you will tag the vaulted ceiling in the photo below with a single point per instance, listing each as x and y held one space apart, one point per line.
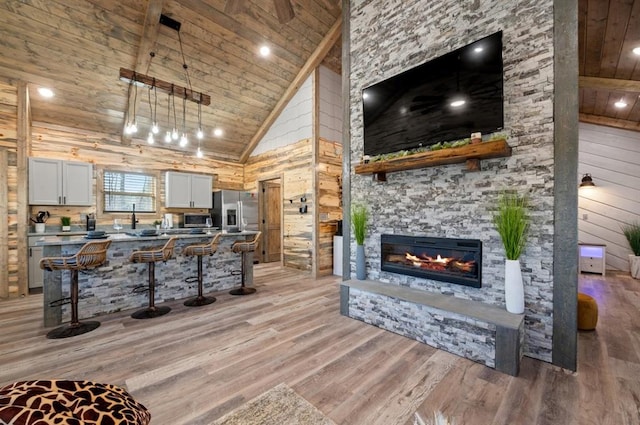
608 32
77 48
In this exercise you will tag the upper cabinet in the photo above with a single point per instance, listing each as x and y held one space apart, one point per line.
56 182
185 190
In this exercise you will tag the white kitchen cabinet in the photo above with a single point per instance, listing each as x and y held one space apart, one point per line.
36 274
184 190
56 182
593 258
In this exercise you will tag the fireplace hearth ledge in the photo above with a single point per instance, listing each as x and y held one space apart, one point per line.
509 328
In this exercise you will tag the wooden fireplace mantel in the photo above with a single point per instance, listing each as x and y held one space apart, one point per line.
470 154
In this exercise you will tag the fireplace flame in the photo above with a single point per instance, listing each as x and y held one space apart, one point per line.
440 263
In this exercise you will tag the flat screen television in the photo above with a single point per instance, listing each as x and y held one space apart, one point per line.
445 99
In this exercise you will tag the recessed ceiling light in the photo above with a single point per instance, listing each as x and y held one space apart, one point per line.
458 103
636 51
45 92
265 51
620 104
218 132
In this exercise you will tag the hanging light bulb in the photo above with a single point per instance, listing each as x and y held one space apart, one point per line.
153 108
134 128
174 132
200 133
154 128
199 153
150 139
167 137
183 140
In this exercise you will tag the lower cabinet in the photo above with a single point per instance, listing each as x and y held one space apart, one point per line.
36 274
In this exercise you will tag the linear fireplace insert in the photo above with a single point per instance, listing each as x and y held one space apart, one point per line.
444 259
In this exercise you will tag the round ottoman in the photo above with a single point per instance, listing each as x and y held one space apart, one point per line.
587 312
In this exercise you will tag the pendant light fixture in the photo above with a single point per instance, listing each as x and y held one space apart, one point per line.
186 93
183 139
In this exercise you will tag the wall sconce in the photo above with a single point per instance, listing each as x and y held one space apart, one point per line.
587 181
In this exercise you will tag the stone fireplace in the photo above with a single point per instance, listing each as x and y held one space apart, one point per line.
443 259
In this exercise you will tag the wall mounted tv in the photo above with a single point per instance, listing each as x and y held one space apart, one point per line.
445 99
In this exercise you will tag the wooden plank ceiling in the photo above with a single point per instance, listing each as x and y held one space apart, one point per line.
608 32
77 48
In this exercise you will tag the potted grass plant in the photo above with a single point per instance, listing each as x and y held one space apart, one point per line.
359 217
512 223
632 233
66 224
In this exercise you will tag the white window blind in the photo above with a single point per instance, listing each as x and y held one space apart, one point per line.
122 190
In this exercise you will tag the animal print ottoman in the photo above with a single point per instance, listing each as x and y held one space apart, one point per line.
69 403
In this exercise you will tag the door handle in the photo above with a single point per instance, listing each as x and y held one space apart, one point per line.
64 198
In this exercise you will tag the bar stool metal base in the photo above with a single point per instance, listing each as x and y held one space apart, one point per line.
243 290
151 312
72 329
199 301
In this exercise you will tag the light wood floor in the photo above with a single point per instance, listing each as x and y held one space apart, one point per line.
193 365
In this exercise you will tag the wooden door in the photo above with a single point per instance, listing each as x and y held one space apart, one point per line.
271 221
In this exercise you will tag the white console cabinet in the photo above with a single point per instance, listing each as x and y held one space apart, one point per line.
593 258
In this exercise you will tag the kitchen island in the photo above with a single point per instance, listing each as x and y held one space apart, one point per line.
110 287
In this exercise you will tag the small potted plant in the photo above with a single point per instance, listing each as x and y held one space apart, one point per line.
359 223
632 233
157 223
66 224
512 223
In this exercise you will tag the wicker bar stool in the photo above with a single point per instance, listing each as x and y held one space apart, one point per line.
199 250
92 254
244 247
150 257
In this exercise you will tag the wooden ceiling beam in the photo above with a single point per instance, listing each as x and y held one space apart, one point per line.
149 35
610 122
613 84
180 92
314 60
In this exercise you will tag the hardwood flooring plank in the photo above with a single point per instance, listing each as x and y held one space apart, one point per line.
196 364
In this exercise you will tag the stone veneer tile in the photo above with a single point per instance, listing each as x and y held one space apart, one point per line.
388 37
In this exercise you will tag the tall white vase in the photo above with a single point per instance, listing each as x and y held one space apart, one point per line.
361 266
634 265
513 287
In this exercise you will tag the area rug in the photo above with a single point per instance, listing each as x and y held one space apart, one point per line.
278 406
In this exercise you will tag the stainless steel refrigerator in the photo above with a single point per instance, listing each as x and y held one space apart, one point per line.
235 209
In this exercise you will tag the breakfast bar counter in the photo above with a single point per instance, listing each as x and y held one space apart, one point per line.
109 288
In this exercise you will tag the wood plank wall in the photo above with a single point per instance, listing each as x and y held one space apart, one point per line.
106 152
329 180
8 195
292 163
611 156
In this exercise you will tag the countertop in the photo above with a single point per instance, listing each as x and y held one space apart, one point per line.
71 238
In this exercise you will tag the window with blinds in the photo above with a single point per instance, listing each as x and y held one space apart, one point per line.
122 190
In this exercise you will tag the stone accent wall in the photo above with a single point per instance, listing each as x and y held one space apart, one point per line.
388 37
455 333
109 288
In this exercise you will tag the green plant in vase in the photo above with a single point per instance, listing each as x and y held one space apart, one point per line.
359 216
66 223
512 223
632 233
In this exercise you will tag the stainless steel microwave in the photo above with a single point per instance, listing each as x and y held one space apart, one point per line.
194 220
